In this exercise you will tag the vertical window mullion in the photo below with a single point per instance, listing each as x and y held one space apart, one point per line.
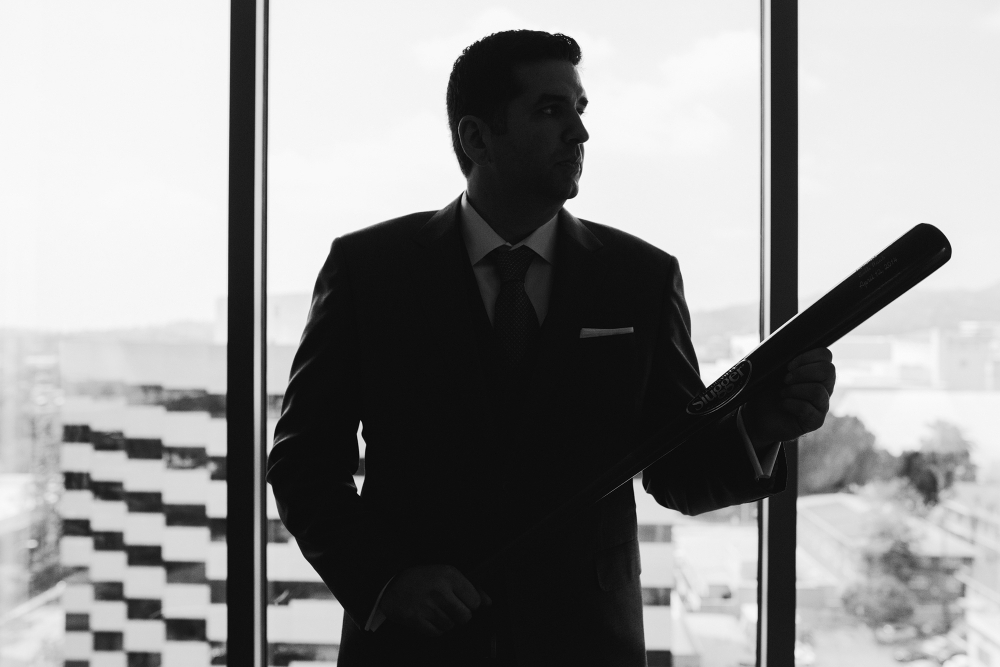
245 396
779 303
260 367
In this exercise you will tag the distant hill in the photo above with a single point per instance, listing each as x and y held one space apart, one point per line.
916 310
925 310
724 322
173 332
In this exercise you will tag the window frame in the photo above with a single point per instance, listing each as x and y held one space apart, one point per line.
776 515
246 350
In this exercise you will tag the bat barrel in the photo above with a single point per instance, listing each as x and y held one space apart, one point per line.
880 281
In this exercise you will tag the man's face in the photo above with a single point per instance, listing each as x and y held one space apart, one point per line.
541 154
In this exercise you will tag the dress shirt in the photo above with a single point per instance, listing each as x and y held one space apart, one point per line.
480 240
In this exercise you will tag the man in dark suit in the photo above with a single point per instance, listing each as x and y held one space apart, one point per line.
500 353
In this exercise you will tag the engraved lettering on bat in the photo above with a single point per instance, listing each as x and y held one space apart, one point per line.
876 268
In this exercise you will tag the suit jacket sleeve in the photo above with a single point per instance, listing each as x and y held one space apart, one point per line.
315 456
713 469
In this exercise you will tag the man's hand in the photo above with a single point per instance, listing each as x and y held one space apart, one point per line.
432 599
796 406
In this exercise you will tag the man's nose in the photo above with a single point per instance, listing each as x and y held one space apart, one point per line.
577 132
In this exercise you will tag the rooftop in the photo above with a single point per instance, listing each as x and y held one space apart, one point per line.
850 519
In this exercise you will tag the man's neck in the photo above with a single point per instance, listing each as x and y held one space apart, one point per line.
513 218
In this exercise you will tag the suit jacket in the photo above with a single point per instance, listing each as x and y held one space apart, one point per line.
462 455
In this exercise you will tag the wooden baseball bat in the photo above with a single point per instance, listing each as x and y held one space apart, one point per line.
879 282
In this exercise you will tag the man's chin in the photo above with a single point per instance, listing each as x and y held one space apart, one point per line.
572 190
553 191
566 187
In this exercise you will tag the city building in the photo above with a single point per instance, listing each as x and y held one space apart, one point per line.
972 513
837 530
15 532
143 515
30 398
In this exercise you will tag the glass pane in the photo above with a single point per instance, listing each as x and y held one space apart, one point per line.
113 199
358 134
899 519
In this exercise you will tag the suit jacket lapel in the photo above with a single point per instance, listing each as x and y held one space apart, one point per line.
450 298
576 251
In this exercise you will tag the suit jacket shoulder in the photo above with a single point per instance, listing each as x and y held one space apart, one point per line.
386 236
632 255
622 241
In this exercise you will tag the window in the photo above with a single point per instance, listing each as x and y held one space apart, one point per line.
116 467
901 483
358 134
112 359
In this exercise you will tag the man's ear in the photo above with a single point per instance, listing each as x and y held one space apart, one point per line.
475 137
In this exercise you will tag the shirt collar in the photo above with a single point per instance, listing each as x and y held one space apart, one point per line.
481 239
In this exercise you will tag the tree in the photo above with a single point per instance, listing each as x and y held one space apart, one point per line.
943 459
946 438
917 468
889 553
839 454
884 596
879 601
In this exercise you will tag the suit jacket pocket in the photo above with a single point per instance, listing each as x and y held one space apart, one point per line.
591 342
605 395
618 566
606 363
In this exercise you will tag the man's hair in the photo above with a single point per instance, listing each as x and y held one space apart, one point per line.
482 80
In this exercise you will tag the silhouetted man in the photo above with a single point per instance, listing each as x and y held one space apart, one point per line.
500 352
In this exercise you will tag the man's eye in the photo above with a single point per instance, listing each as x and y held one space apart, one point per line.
555 110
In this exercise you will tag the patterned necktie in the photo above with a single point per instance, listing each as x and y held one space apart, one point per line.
514 318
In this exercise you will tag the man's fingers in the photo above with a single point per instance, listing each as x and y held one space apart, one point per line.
819 354
465 591
807 404
806 416
800 405
438 617
426 627
433 599
485 597
456 610
811 392
824 373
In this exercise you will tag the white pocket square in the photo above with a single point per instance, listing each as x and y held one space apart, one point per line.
594 333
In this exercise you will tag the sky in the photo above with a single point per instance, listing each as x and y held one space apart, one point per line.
113 139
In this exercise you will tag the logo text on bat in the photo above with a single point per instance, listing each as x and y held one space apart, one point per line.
722 391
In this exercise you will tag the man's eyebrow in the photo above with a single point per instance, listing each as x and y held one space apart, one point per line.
546 98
